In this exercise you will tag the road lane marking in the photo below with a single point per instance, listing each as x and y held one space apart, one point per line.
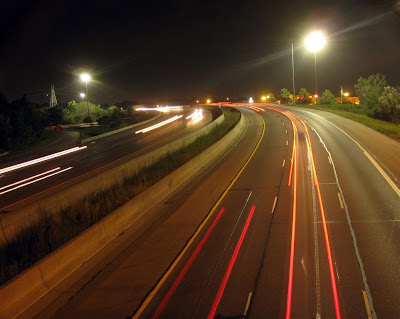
185 269
340 200
230 266
286 131
329 159
327 242
157 287
283 163
367 304
349 223
273 206
248 303
287 142
366 153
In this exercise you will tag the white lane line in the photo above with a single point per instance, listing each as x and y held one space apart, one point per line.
349 223
372 160
283 163
274 205
367 304
248 303
329 159
287 142
286 131
340 200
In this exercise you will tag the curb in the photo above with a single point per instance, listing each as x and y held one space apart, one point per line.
28 287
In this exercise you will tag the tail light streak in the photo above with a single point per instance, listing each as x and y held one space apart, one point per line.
55 172
187 266
41 159
230 266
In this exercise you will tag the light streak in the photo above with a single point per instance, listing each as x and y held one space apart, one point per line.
292 243
197 115
41 159
29 178
155 126
230 266
160 109
36 180
187 266
327 243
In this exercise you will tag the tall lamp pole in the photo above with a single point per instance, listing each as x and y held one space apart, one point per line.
294 91
86 78
314 42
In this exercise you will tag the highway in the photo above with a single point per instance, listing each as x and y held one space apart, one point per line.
44 175
308 227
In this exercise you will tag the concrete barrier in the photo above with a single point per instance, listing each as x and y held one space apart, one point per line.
28 287
94 138
96 180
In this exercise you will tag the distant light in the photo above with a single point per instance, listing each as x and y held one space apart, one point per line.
267 96
346 94
208 101
316 95
251 100
263 98
82 95
227 98
315 41
85 77
197 101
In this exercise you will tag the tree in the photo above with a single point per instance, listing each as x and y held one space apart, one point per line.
388 105
369 90
327 98
304 93
284 95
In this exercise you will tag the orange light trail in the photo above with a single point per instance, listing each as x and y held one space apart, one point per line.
327 243
292 243
36 180
41 159
155 126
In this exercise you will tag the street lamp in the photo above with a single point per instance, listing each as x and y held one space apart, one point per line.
314 42
263 98
86 78
208 101
82 95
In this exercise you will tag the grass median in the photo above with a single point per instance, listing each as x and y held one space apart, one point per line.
53 230
359 114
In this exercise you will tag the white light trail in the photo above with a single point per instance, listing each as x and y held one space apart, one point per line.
36 180
41 159
153 127
160 109
29 178
196 115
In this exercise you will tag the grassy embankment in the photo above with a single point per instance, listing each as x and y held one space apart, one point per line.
54 230
359 113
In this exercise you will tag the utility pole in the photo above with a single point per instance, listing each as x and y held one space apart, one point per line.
294 90
53 99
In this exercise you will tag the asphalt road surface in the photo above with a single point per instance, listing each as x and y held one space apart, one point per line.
309 228
97 154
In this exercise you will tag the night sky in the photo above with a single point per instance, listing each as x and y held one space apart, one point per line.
152 51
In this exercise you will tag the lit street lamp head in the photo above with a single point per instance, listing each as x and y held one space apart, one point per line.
315 41
85 77
82 95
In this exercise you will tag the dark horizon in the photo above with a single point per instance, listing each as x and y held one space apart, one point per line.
180 49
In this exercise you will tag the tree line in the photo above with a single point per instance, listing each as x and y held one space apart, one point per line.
382 100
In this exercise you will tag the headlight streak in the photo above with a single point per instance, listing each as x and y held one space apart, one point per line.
41 159
29 178
153 127
36 180
196 116
160 109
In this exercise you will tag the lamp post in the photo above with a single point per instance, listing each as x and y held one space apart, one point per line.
86 78
294 91
314 42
